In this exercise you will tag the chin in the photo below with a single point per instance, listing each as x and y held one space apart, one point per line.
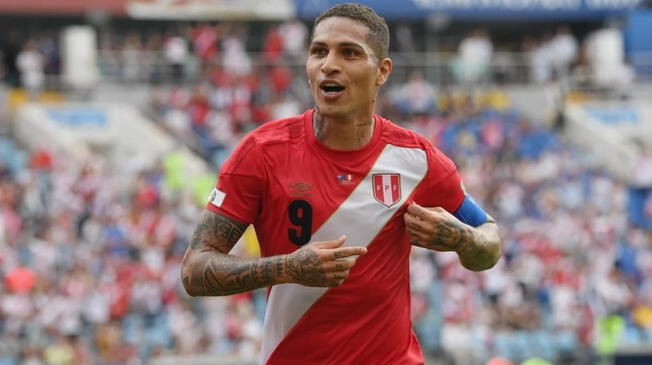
331 111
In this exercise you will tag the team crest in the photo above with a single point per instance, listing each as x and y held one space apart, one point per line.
387 188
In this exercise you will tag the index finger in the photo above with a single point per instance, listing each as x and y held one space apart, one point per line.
417 210
342 252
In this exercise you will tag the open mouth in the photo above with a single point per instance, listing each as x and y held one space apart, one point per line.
332 88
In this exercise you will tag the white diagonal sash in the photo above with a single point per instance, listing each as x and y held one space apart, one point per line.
360 217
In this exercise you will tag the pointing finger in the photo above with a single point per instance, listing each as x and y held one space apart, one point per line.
346 252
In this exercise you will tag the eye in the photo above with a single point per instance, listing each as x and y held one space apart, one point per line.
318 51
349 52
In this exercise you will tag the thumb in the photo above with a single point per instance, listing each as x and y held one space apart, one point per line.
332 244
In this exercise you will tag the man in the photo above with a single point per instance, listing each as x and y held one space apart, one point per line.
335 195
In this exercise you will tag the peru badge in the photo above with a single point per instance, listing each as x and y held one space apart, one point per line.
387 188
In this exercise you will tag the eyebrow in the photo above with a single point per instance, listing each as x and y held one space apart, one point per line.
342 44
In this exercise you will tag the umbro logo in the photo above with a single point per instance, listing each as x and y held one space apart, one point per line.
300 188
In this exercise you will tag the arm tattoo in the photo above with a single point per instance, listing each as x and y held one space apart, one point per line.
207 269
475 251
216 232
451 235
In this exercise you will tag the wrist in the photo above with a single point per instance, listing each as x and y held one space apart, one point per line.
284 275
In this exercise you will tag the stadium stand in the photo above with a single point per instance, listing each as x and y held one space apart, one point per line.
90 261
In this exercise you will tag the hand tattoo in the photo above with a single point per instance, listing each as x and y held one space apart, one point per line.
304 267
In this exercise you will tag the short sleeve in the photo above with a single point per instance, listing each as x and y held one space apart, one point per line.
239 187
442 186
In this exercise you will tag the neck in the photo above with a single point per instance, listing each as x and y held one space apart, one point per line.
338 134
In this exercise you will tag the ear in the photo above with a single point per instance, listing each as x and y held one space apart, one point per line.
384 69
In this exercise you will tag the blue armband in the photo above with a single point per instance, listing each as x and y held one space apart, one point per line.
470 213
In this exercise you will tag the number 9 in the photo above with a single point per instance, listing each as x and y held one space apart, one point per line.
300 214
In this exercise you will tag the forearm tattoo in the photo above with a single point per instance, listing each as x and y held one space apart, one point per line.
451 235
471 246
207 268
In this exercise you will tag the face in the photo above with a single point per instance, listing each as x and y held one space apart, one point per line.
343 71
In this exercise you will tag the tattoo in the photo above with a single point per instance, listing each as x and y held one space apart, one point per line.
450 235
318 126
475 251
216 232
304 267
227 275
207 269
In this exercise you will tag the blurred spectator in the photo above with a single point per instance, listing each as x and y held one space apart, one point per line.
405 38
294 34
605 53
416 96
235 60
539 55
133 68
473 58
563 52
205 40
176 54
273 47
31 64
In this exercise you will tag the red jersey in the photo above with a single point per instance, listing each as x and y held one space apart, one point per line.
296 190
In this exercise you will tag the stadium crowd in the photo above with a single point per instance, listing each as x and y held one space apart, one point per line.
189 52
90 265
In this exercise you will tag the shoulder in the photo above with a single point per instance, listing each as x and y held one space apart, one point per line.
278 131
403 137
250 152
399 136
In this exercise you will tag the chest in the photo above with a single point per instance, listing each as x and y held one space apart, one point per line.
311 197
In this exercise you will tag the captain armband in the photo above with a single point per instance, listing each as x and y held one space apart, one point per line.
470 213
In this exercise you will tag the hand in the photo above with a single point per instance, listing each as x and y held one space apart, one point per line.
322 264
435 228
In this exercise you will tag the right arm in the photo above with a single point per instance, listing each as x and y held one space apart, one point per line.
208 270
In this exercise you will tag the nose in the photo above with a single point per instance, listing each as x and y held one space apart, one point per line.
331 64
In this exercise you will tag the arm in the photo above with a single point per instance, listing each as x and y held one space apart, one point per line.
208 270
434 228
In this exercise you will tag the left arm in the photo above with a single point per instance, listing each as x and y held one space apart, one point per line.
436 229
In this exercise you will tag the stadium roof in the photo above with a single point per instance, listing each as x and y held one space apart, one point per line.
62 7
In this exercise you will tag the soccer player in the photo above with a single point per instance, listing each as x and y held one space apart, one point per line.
338 196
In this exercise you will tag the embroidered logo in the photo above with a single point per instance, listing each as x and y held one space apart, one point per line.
387 188
300 188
